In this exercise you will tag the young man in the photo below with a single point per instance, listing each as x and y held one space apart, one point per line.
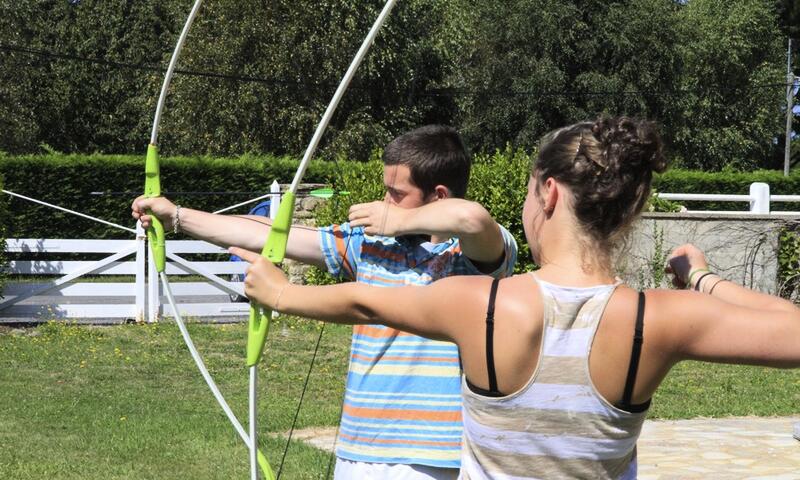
402 412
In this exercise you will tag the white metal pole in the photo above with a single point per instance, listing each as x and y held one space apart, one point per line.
787 153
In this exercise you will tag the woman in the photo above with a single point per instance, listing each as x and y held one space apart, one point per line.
560 365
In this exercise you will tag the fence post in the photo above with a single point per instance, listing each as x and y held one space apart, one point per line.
141 261
275 199
759 201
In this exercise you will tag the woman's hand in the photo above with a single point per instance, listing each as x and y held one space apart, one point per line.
683 262
162 208
264 282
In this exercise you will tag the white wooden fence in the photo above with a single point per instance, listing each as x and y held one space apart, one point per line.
759 200
134 293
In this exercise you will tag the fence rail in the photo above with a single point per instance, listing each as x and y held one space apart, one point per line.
759 200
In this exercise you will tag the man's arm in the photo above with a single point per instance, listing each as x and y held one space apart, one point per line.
480 236
245 231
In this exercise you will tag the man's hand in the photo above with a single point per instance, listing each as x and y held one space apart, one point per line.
684 260
162 208
264 282
379 218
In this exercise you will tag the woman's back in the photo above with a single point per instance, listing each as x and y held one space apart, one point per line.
557 424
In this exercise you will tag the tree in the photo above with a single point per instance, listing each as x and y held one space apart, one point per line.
729 110
302 49
534 65
69 103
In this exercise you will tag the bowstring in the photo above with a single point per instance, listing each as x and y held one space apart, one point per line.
339 276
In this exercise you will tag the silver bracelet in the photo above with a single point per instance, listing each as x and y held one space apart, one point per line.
278 298
176 220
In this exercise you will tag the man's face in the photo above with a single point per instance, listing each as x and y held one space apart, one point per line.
400 190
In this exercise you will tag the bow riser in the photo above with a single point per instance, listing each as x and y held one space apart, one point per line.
152 188
274 250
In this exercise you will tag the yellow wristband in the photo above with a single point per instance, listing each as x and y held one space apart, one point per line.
692 273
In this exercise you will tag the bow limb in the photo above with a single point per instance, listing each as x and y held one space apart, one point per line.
275 246
157 242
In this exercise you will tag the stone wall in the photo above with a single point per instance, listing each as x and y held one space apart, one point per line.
742 248
303 215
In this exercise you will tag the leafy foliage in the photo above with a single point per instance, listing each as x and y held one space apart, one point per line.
502 72
289 57
104 186
499 182
723 119
700 70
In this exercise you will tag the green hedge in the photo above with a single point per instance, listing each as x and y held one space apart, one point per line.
498 182
72 181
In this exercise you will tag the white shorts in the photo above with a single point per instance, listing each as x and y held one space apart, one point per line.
349 470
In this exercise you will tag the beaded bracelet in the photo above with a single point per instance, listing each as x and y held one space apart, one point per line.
176 220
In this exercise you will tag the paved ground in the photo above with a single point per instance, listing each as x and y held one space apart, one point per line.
710 449
729 448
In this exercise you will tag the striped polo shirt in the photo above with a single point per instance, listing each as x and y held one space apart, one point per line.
402 401
557 425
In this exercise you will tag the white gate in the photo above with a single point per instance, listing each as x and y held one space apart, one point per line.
80 291
67 298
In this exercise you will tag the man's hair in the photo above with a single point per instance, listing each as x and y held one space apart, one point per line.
435 155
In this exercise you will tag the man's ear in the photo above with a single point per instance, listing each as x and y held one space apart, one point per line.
441 192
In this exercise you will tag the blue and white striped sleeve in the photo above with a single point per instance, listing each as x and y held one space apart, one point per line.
341 248
506 269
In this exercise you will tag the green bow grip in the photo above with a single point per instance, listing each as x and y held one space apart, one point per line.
152 188
274 250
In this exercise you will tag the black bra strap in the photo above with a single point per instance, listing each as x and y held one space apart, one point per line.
490 337
636 352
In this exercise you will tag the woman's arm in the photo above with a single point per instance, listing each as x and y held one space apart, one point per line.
690 269
415 309
731 324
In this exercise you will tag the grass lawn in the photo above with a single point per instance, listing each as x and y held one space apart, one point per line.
126 402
